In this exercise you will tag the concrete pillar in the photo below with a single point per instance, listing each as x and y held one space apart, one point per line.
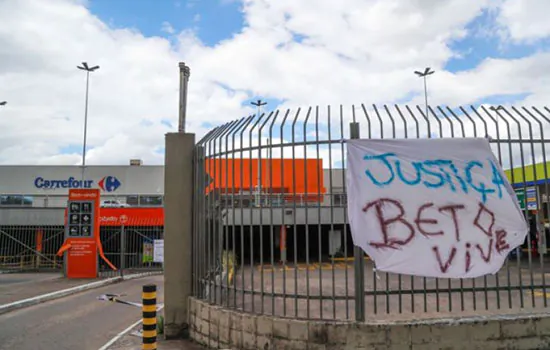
178 194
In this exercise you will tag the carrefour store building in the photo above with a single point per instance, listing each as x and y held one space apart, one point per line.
48 186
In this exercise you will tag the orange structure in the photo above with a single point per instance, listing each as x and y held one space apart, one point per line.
82 239
292 177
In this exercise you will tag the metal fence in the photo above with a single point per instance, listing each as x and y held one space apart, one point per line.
130 248
259 248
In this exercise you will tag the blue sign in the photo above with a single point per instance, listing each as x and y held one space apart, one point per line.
107 184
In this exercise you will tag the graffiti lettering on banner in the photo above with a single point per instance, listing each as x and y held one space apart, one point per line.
432 207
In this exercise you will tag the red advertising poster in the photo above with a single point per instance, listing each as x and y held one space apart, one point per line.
82 258
131 217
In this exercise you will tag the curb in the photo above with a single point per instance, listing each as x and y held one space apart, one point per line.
20 304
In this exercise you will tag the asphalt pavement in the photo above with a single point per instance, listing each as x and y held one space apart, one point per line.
79 321
18 286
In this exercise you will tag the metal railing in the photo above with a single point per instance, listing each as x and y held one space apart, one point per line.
130 248
294 259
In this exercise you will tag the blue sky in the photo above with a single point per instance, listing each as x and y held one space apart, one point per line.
213 20
289 53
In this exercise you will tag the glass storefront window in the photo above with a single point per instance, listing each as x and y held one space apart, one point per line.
16 200
150 201
132 200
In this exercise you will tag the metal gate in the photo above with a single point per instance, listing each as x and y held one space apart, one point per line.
30 248
34 248
271 231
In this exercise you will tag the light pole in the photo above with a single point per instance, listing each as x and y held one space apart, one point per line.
88 70
259 104
426 72
185 73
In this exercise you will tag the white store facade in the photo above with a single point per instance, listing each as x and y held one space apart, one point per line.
48 186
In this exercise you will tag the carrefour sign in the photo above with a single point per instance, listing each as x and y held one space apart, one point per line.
107 183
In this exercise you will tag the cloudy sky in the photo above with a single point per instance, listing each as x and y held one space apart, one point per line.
290 53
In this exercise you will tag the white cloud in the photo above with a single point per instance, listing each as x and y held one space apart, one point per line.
167 27
525 20
350 51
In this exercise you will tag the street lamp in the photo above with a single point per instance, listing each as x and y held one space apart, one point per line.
426 72
86 68
185 73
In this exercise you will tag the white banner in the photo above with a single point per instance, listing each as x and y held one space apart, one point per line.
158 250
432 207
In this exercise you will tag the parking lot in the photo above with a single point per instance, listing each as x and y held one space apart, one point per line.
326 291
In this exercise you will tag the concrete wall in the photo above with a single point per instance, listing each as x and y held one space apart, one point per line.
32 216
220 328
178 227
264 216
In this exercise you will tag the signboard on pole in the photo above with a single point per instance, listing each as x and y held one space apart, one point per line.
432 207
81 233
158 250
529 198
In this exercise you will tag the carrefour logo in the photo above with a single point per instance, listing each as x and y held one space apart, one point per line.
107 184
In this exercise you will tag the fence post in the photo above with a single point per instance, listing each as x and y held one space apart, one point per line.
359 262
149 310
122 250
178 232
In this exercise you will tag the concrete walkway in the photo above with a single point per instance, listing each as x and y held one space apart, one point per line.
19 286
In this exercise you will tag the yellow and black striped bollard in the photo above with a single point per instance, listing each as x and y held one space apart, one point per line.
149 310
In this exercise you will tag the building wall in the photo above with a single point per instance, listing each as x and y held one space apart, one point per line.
48 186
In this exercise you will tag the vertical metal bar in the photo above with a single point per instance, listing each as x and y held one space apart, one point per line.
547 193
218 218
535 177
230 260
252 215
388 301
412 277
345 193
261 208
196 194
306 210
449 283
233 228
374 272
474 126
295 230
319 227
452 135
359 263
241 205
485 284
331 199
283 209
524 179
513 180
429 127
122 250
271 204
424 280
